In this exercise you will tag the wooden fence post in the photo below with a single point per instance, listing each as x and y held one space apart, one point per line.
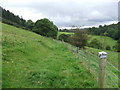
101 74
78 52
89 61
62 40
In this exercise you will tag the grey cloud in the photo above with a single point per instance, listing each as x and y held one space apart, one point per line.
74 13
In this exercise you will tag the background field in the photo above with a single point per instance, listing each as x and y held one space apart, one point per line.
104 40
59 33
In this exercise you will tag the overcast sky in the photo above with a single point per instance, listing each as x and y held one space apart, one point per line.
66 13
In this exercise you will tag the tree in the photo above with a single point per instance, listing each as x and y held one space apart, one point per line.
30 24
46 28
117 46
95 44
79 39
108 47
64 37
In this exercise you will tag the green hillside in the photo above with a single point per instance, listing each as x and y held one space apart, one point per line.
59 33
30 60
104 39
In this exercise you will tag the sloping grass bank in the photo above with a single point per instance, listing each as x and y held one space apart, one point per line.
30 60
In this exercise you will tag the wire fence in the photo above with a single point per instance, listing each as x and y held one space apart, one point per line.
111 71
92 63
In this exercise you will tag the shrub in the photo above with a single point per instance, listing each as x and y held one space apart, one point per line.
108 47
117 46
46 28
79 39
64 37
95 44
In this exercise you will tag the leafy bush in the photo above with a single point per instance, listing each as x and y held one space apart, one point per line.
30 24
46 28
95 44
108 47
117 46
79 39
64 37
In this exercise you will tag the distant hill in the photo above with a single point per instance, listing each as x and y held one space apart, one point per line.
105 40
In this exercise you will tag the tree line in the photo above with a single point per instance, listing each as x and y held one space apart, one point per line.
11 19
80 39
106 30
112 31
44 27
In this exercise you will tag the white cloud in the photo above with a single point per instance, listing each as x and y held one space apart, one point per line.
65 12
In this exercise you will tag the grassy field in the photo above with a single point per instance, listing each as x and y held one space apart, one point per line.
104 39
32 61
59 33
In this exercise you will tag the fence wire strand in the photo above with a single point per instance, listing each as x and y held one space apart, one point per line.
111 70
